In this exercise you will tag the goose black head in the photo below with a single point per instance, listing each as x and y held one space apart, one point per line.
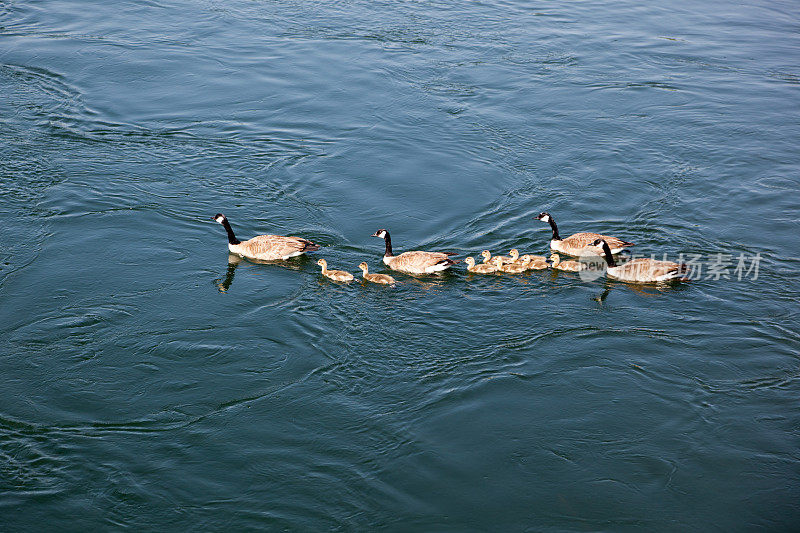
382 233
544 217
219 217
601 244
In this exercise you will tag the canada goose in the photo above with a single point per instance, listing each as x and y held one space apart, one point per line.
511 268
641 270
265 247
483 268
335 275
535 262
575 244
569 266
382 279
415 262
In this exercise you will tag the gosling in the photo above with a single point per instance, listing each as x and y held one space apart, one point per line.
511 268
535 262
512 257
485 268
568 266
335 275
381 279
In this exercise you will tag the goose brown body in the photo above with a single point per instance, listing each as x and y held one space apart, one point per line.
414 262
266 247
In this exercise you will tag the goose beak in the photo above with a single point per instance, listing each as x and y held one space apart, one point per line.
375 234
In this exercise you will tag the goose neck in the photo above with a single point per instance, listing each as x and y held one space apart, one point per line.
388 239
608 256
231 237
554 227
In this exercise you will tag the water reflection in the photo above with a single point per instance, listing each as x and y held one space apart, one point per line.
224 284
602 296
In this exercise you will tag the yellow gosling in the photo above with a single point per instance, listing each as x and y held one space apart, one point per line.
335 275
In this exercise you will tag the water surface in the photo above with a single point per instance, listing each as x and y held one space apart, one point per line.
149 381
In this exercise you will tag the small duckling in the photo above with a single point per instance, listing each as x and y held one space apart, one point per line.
381 279
511 268
569 266
487 257
485 268
535 262
335 275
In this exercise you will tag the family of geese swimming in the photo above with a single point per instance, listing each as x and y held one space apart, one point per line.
640 270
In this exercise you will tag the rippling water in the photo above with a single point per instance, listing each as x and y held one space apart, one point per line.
149 381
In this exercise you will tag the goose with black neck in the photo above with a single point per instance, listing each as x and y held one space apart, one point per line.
265 247
414 262
640 270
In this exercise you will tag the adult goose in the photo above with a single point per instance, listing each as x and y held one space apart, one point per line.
335 275
415 262
641 270
575 243
265 247
381 279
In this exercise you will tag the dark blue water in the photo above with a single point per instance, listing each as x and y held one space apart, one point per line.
146 382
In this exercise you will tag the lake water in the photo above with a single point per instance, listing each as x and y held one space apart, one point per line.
147 382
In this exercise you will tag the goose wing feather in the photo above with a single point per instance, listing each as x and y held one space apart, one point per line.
648 270
580 240
272 247
418 261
